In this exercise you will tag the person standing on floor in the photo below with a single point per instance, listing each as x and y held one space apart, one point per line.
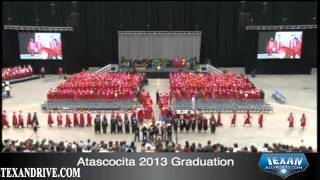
29 120
205 124
75 120
233 120
303 121
219 120
89 119
14 120
247 119
126 123
157 97
260 120
97 124
59 120
144 133
81 119
5 122
20 120
291 120
137 134
104 124
113 123
68 121
119 124
212 124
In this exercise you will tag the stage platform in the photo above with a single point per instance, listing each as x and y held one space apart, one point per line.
154 73
96 105
224 105
23 79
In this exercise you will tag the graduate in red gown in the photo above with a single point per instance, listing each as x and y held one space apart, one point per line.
233 120
140 114
303 121
20 120
247 119
260 120
291 120
5 122
89 119
59 120
29 120
81 119
68 121
14 120
75 120
219 120
50 119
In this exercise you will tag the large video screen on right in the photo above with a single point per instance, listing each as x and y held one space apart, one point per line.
280 45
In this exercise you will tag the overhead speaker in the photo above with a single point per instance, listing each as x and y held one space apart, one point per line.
53 7
74 19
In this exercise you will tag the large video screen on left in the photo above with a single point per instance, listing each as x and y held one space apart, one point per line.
40 46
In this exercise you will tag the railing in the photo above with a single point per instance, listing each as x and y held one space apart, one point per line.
279 97
108 68
212 69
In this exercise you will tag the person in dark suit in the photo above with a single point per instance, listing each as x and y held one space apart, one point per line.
144 133
200 120
205 124
182 123
176 123
169 133
126 124
104 124
113 123
151 133
35 124
35 119
137 134
97 124
212 124
187 122
119 124
157 96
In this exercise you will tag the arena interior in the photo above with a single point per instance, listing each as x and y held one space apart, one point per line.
161 76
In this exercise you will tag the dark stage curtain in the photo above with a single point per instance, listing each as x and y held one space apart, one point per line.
94 41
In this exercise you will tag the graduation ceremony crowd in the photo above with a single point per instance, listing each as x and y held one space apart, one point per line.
140 123
49 146
16 72
85 85
219 86
170 123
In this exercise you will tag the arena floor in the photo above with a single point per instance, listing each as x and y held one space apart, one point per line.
300 90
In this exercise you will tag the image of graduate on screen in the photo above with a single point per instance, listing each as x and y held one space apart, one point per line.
40 46
279 45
